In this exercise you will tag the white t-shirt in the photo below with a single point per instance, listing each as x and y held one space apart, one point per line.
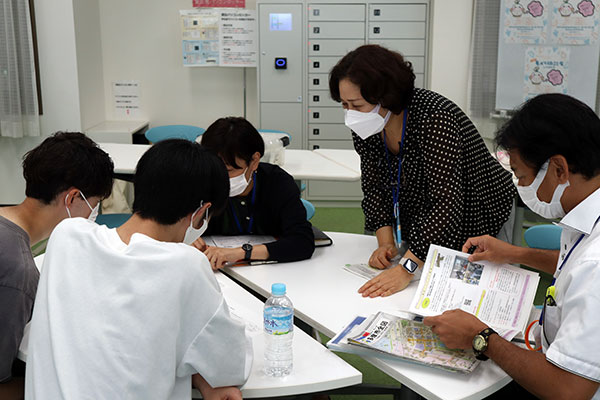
572 328
116 321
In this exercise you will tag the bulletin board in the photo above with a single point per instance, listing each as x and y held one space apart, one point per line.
547 46
219 37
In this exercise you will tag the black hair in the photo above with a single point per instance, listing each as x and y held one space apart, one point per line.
64 160
551 124
233 137
174 177
383 76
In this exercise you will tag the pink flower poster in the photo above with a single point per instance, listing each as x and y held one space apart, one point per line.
575 22
526 21
546 71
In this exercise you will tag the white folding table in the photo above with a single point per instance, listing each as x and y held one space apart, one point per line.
325 296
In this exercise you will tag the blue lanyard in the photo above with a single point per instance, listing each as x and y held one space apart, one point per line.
235 218
396 192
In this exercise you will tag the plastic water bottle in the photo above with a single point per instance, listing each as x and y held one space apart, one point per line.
279 332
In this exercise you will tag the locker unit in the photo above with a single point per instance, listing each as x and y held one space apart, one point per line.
312 36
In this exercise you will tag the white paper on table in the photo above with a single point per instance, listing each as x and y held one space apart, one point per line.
499 295
232 242
363 270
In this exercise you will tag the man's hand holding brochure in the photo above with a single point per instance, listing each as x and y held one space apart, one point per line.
499 295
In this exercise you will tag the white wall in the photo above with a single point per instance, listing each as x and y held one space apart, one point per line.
60 93
141 40
89 62
450 48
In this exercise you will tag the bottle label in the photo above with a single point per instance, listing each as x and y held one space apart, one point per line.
278 325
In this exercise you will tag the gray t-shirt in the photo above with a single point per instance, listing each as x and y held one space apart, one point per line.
18 284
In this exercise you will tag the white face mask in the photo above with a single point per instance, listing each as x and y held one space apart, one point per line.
191 233
366 124
93 214
528 194
238 184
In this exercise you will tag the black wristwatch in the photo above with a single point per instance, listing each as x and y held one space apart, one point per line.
480 343
247 247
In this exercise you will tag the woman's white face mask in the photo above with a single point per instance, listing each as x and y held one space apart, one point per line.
238 184
528 194
366 124
191 233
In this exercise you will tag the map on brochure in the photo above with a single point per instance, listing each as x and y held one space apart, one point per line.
501 295
402 338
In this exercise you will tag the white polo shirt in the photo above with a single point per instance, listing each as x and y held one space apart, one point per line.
114 320
571 330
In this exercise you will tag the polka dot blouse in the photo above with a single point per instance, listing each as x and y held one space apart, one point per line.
451 186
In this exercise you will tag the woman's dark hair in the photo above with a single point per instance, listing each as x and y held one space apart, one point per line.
64 160
551 124
233 137
383 76
172 179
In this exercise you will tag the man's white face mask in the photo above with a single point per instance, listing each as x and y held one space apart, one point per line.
528 194
366 124
93 214
191 233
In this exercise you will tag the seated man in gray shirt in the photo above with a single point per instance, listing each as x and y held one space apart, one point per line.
66 176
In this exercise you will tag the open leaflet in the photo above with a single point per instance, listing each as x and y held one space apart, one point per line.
499 295
394 337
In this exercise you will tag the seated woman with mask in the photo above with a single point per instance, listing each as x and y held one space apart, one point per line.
263 200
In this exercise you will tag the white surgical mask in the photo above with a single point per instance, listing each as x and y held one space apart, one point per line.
528 194
238 184
93 214
191 233
366 124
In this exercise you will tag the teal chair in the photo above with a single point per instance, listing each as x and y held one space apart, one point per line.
158 133
112 220
310 209
543 237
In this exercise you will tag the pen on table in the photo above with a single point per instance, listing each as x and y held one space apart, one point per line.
260 262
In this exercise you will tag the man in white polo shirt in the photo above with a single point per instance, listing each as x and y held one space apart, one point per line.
554 147
133 312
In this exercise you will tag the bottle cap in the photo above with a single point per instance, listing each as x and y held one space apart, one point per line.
278 289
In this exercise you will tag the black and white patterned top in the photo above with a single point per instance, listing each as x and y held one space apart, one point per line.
451 186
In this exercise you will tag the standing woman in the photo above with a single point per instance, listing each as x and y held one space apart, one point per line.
424 166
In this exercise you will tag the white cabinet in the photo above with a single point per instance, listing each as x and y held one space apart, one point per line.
329 31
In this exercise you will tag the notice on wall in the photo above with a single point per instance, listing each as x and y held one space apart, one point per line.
219 3
546 71
126 99
219 37
526 21
575 22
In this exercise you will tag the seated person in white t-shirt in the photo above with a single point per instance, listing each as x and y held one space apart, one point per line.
554 147
133 312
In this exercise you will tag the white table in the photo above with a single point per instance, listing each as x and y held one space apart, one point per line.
346 158
301 164
315 367
325 296
308 164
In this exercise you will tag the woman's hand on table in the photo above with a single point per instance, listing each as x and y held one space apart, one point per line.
218 256
386 283
381 257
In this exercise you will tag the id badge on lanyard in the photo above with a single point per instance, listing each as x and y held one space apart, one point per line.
397 235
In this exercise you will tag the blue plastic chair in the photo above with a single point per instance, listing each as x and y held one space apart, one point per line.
158 133
112 220
543 237
310 209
